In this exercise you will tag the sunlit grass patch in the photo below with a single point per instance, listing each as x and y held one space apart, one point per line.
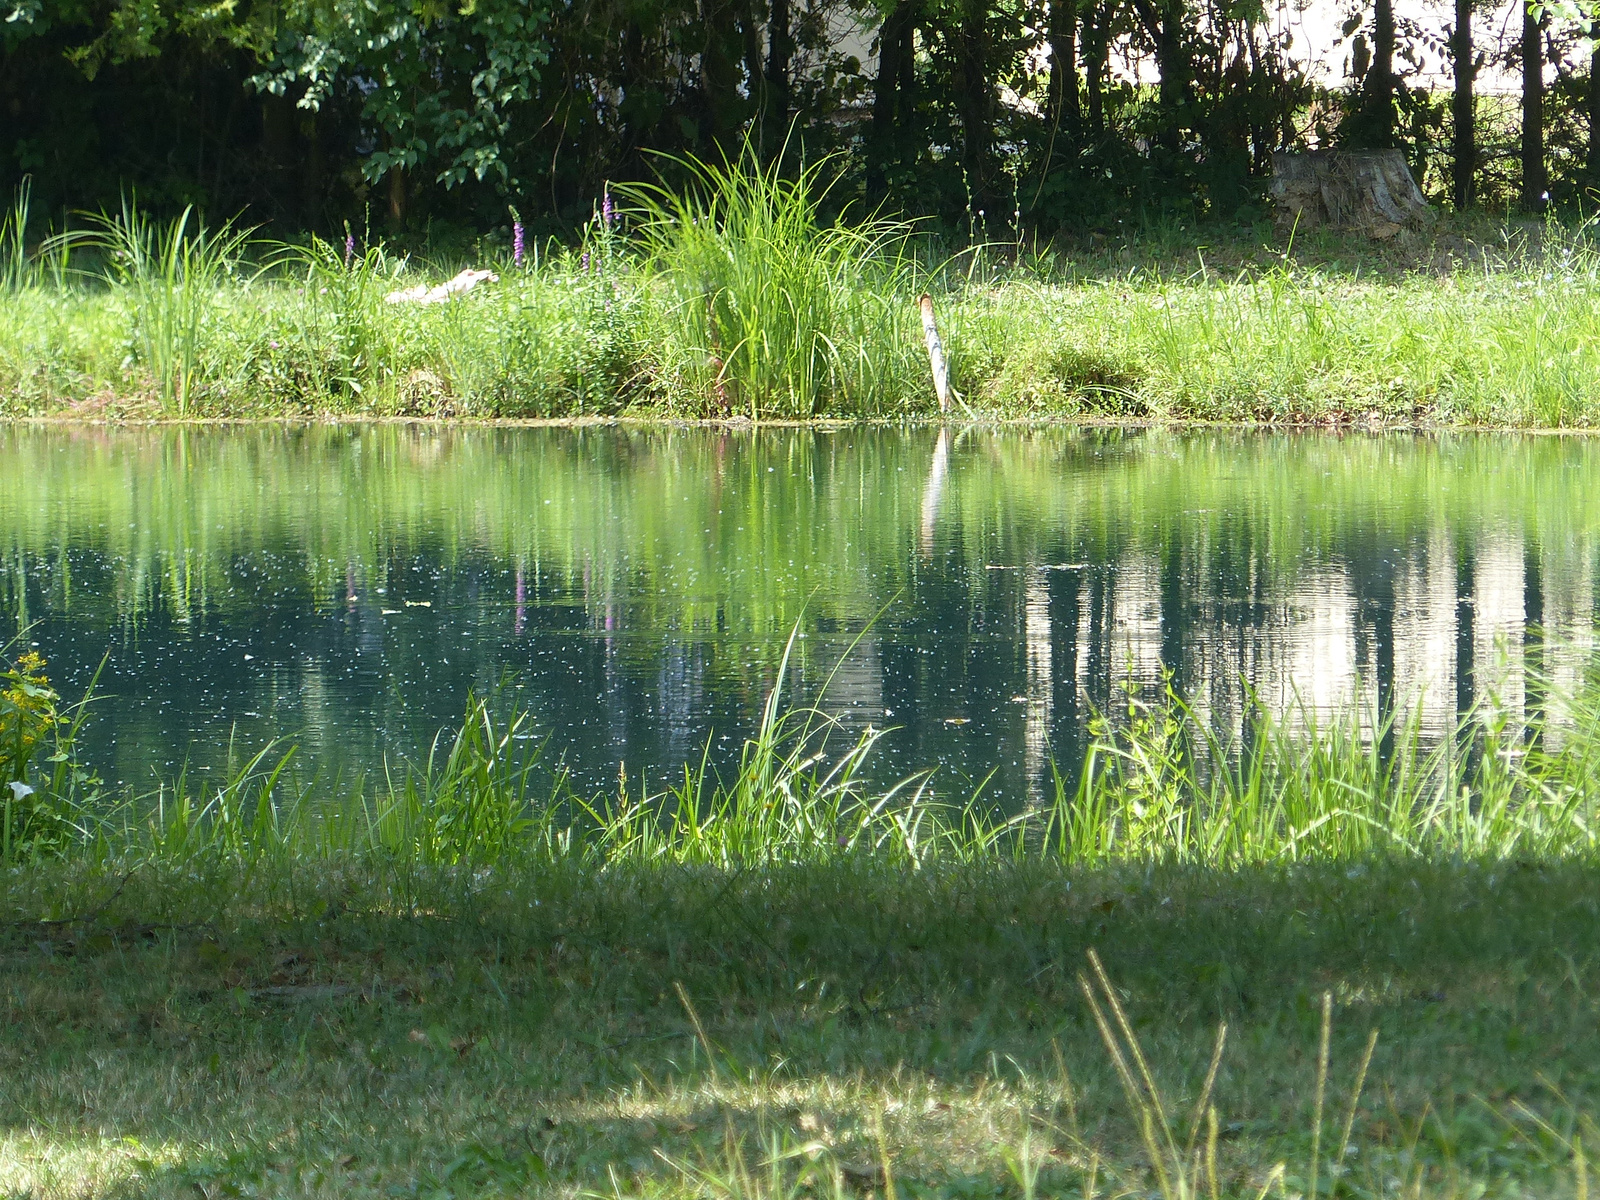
738 297
44 1162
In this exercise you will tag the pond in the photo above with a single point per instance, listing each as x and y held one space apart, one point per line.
980 592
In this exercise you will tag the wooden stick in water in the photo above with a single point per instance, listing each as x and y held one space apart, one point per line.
941 372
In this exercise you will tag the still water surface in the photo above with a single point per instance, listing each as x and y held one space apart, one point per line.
984 593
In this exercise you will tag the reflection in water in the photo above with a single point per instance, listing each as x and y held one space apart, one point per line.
935 488
347 586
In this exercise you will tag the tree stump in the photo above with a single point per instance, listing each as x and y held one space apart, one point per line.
1359 191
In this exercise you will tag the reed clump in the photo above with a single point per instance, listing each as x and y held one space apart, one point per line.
170 276
772 310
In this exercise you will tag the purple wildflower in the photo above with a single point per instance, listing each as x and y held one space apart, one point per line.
517 243
608 210
349 248
585 262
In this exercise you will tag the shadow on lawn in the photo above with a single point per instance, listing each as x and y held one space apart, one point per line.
529 1034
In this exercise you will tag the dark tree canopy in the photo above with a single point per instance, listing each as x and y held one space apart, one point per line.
424 115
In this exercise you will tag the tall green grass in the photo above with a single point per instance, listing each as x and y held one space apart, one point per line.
1157 787
170 275
1163 787
333 339
15 272
771 310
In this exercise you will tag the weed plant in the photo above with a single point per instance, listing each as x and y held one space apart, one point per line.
48 800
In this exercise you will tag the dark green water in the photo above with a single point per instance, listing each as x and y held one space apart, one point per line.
344 587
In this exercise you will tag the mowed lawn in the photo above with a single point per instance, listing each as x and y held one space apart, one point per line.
839 1029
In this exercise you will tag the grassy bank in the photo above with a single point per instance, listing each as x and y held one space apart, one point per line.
735 300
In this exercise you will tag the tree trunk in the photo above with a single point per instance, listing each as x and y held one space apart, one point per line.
397 199
1466 647
1376 130
636 66
277 139
1165 25
1594 109
1174 616
1066 611
719 73
1533 681
1172 60
1374 635
890 101
761 138
975 104
1534 188
1363 191
312 183
1464 152
780 49
1061 106
1261 131
1097 45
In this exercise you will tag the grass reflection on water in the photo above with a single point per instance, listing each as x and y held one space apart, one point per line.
641 581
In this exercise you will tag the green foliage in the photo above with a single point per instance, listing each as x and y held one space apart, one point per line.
41 783
444 79
452 107
131 30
